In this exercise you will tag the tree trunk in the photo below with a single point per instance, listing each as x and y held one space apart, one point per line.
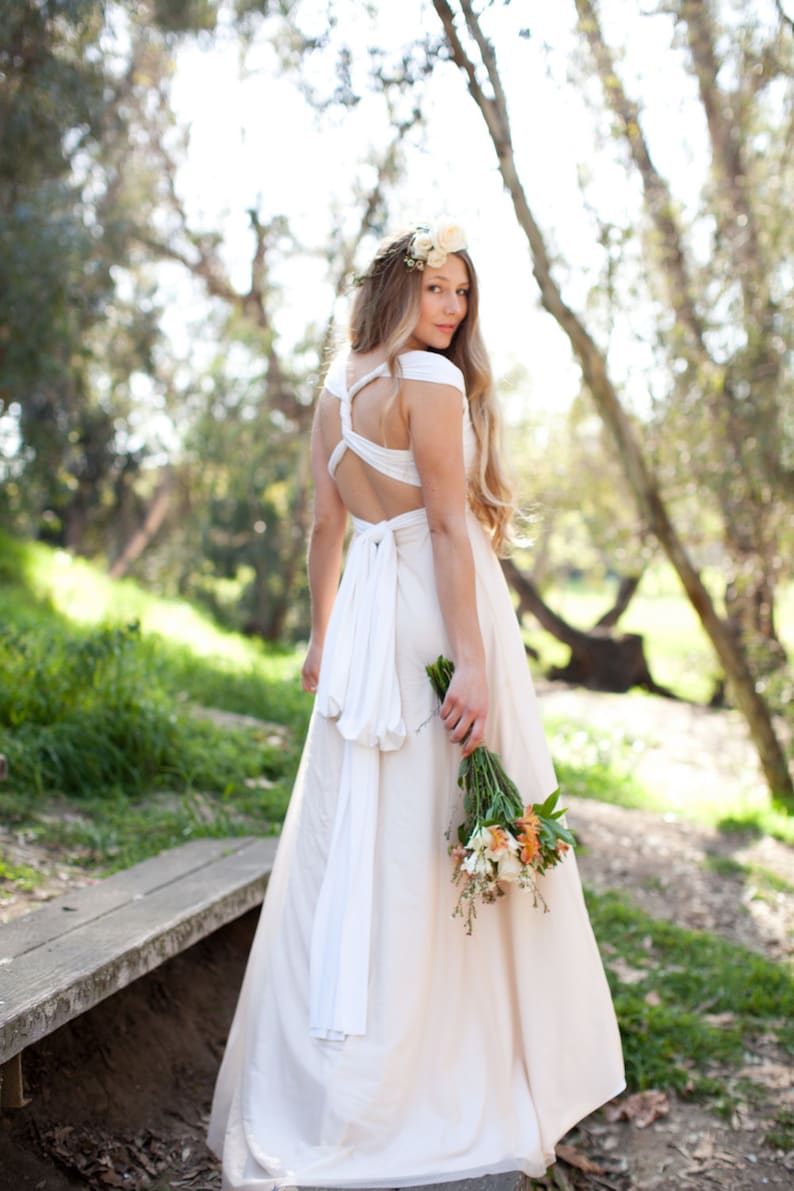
600 660
639 473
627 589
747 505
136 545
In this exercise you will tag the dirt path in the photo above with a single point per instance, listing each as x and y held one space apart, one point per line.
696 877
120 1097
738 885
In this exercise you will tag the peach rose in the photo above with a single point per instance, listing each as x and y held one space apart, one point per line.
449 236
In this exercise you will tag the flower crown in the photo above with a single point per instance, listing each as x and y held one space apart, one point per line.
431 246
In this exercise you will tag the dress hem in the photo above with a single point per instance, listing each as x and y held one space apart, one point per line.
512 1165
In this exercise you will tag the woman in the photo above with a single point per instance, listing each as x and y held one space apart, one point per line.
376 1044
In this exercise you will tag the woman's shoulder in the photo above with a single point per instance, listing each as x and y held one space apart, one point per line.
336 376
430 366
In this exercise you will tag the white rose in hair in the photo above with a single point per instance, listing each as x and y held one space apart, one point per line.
421 244
436 258
450 237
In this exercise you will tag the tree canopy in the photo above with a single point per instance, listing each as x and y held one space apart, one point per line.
157 379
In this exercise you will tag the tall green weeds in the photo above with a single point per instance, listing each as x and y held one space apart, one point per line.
85 711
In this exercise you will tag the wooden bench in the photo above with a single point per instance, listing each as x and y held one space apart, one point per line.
61 960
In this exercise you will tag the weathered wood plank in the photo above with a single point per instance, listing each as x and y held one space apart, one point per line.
70 911
48 986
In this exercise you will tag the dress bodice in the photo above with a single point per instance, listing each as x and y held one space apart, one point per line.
414 365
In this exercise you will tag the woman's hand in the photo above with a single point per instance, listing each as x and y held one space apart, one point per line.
465 708
310 671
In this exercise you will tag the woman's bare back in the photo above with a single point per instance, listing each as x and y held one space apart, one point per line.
378 415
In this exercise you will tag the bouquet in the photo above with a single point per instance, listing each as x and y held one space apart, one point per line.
500 840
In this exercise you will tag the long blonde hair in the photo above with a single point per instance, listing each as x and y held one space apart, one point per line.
384 314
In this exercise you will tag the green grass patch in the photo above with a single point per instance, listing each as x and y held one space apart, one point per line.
765 881
781 1135
598 764
105 754
16 876
726 866
88 711
688 1002
115 831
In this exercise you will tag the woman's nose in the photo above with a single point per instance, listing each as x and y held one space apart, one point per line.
452 304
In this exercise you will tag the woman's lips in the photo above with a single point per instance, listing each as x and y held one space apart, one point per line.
447 328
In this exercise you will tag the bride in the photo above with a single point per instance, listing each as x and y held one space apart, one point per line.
375 1043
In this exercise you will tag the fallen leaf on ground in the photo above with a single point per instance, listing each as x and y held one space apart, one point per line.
576 1158
720 1019
704 1150
769 1075
625 973
641 1108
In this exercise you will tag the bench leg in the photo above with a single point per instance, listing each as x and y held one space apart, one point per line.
11 1093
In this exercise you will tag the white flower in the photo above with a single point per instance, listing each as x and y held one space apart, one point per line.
421 244
477 864
449 236
480 840
509 866
431 247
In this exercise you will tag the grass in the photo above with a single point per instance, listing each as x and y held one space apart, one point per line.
109 764
763 880
106 758
597 764
781 1135
601 763
689 1003
16 876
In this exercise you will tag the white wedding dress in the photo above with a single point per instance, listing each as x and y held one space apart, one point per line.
375 1044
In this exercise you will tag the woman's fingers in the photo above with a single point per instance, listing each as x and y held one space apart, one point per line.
310 670
309 678
466 725
474 737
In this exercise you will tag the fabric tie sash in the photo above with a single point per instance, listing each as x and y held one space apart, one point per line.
358 688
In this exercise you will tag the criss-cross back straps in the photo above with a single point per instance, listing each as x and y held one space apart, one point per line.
394 463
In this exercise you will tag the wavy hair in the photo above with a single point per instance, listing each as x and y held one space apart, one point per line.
384 314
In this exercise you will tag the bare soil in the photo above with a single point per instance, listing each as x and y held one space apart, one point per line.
119 1098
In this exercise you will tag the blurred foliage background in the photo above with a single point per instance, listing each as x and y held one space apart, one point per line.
180 459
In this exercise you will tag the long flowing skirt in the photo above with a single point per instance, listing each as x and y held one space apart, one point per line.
480 1051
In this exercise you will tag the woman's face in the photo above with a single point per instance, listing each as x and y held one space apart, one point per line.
445 295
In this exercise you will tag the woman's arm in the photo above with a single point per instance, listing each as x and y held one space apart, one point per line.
325 551
435 420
